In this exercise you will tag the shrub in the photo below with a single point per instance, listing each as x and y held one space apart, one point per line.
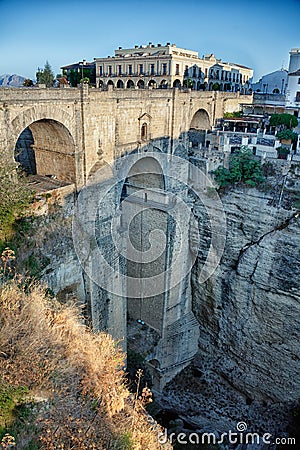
15 196
232 115
74 378
286 120
243 168
283 152
287 135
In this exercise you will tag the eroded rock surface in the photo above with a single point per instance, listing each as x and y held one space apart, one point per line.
247 366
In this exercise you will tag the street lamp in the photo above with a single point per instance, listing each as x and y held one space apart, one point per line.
81 64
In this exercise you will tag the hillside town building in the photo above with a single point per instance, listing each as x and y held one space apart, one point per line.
279 91
167 66
272 83
162 66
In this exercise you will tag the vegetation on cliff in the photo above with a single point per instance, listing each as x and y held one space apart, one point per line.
15 196
243 168
284 120
62 386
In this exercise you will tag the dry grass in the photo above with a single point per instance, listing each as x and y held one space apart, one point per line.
77 388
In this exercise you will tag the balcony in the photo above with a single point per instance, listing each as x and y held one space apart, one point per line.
148 197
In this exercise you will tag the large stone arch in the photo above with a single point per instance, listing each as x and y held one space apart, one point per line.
39 112
143 211
200 120
147 172
52 142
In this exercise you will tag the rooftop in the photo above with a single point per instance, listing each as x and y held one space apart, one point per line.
297 73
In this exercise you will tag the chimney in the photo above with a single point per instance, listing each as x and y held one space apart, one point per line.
120 48
158 45
168 43
136 46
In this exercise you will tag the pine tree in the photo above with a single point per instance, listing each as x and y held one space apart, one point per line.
45 75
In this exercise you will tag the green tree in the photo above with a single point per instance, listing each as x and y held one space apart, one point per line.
15 195
243 168
188 83
28 83
45 75
287 120
287 135
76 76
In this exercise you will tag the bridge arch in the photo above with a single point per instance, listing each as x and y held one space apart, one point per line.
45 147
200 120
145 173
143 211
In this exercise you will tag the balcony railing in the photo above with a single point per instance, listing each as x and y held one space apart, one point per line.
135 74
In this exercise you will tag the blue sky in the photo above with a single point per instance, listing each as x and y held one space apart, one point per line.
255 33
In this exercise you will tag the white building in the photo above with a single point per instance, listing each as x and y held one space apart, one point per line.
166 66
272 83
293 87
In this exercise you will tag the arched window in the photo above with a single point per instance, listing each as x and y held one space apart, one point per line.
152 84
144 130
130 84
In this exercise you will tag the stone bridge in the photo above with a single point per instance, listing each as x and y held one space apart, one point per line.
74 130
71 134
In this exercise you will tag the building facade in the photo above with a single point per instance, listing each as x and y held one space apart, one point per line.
167 66
272 83
293 87
78 71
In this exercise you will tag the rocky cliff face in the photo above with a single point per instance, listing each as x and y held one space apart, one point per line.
247 367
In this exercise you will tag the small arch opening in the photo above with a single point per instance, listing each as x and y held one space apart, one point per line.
152 84
141 84
130 84
120 84
144 131
177 84
200 120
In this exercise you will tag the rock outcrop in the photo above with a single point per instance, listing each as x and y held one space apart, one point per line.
247 367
